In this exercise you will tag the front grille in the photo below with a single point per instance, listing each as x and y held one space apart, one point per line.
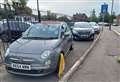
84 32
28 71
23 60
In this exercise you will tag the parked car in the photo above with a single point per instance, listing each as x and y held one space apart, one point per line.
115 24
103 23
96 27
37 52
14 31
83 30
106 24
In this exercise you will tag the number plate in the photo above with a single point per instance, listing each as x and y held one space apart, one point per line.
84 35
21 66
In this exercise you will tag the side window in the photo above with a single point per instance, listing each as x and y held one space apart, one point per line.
68 30
64 28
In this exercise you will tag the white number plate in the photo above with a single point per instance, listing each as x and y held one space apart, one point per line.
21 66
84 35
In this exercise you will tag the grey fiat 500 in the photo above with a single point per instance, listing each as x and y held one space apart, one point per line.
38 51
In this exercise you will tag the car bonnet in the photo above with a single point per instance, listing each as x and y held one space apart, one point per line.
32 46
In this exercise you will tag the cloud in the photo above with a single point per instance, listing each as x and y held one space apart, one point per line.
70 7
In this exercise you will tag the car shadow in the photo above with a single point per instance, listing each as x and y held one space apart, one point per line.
20 78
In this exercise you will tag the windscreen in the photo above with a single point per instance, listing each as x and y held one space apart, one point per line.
42 32
82 25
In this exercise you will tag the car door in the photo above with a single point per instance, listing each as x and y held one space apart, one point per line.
67 38
68 35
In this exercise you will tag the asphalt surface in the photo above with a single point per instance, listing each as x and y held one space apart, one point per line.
101 64
79 48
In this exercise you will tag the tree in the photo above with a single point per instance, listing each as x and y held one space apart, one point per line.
20 7
107 17
49 16
80 17
63 18
93 17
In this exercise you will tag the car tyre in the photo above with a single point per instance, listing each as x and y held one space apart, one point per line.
4 37
98 32
92 38
71 47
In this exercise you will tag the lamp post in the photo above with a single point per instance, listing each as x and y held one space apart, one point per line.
111 14
39 15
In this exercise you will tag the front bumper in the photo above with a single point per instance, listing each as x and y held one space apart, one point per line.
33 72
82 36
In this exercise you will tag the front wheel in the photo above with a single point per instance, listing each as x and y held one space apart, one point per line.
71 47
93 37
61 65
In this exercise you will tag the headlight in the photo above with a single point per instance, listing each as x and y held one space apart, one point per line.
48 62
7 52
92 31
45 54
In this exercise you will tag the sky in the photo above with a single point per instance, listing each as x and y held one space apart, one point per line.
70 7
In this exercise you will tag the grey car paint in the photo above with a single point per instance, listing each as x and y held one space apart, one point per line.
29 49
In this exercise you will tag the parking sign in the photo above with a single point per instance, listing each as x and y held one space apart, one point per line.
104 8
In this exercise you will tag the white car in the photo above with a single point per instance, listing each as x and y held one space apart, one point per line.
96 27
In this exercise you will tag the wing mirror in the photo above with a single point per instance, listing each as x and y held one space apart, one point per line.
66 34
23 33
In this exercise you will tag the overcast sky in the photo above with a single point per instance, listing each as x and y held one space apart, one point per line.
72 6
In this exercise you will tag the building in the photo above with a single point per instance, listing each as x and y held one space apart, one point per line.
80 17
118 19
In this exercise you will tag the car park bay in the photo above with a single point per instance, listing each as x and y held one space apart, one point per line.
79 48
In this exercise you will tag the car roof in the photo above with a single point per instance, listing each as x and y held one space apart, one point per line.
80 22
52 22
47 24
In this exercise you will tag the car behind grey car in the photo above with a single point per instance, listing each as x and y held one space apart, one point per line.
96 27
37 52
83 30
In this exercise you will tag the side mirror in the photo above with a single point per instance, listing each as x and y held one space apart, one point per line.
66 34
71 27
23 33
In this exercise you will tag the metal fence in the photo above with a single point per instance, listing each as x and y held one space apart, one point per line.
11 26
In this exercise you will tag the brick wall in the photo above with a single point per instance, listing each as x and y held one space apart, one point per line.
118 19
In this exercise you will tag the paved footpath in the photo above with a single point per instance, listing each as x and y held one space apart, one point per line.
101 64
